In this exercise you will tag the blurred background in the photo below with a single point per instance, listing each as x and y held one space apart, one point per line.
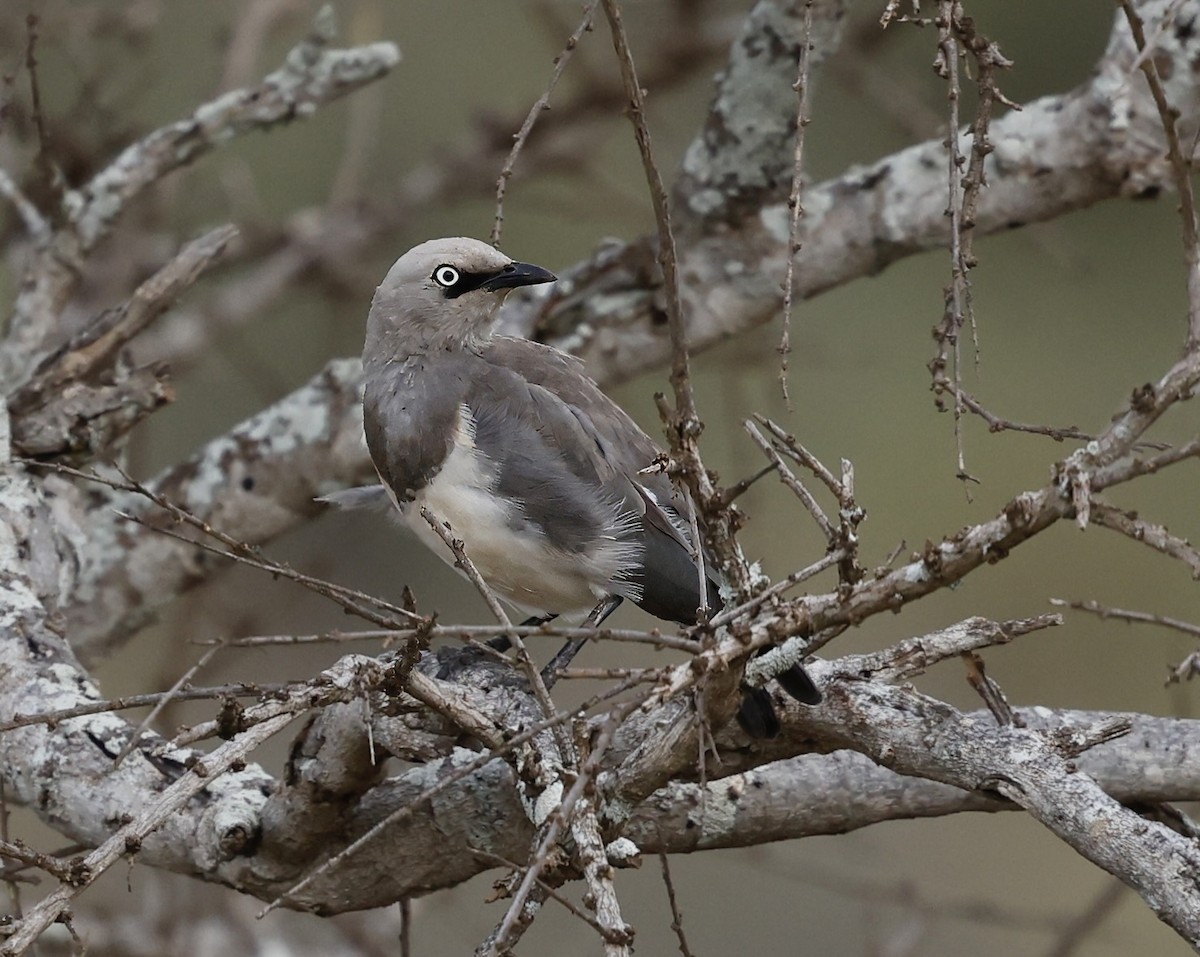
1072 315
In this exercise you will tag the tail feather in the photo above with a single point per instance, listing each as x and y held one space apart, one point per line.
799 684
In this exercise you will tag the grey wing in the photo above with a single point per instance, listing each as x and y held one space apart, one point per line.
667 578
409 417
546 460
614 452
547 466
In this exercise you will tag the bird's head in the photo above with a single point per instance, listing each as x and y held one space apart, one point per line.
444 293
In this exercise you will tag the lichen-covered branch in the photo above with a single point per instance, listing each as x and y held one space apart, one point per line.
312 75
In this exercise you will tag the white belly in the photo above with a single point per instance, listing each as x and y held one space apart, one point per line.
513 557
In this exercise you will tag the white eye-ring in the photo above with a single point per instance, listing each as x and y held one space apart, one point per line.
445 276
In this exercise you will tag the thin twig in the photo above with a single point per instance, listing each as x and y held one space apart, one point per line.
795 210
466 633
42 162
958 293
1156 536
997 424
237 550
793 449
172 694
17 851
541 856
676 916
668 260
550 893
752 605
1088 921
1180 168
789 479
1122 614
683 422
542 104
443 530
987 689
405 905
703 611
128 702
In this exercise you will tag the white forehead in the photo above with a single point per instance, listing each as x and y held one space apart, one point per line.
464 254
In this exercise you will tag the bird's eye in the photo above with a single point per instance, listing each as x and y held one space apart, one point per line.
445 276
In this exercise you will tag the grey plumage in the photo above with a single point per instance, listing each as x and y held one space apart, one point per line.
535 469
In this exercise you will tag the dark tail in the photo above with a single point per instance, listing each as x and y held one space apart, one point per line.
757 712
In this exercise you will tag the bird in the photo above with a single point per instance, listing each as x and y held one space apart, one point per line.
545 480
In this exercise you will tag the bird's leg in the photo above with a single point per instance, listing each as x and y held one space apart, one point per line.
605 607
504 643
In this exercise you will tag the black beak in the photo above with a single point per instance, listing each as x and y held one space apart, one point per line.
518 274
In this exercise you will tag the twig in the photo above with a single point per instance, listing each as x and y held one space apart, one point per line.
467 633
1180 168
703 611
127 702
843 539
443 530
956 33
792 448
541 856
997 424
957 304
987 689
641 675
18 852
1148 533
750 606
237 550
668 260
42 162
344 681
789 479
795 210
1121 614
542 104
172 694
551 894
593 861
405 905
741 486
913 656
1185 669
676 917
683 422
14 849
